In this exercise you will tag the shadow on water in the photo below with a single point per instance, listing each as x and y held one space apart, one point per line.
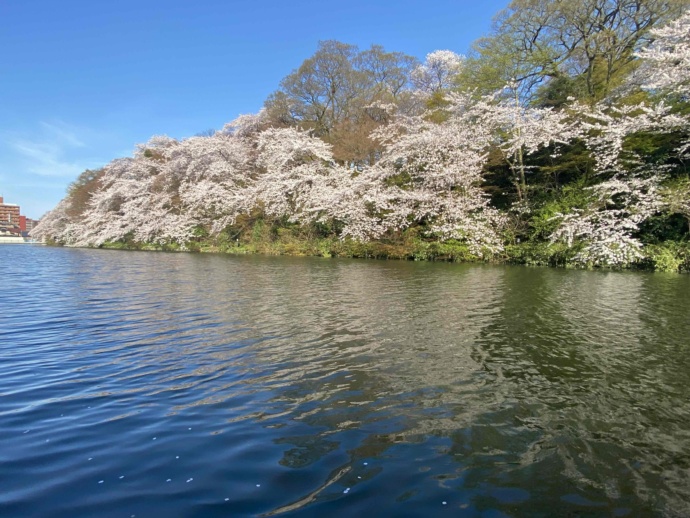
258 385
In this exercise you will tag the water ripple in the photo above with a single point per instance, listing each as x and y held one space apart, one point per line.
154 384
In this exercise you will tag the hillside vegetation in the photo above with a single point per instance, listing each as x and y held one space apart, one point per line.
562 138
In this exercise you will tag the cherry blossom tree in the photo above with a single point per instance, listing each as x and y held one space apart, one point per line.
363 204
56 225
436 170
392 146
291 162
607 226
246 125
666 66
437 72
667 59
134 202
215 176
629 190
517 130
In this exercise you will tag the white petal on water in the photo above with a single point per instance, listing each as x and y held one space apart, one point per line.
169 480
90 458
154 438
177 456
101 481
359 477
190 480
227 499
258 485
27 431
444 503
366 463
121 477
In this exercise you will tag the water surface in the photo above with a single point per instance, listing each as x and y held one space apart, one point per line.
155 384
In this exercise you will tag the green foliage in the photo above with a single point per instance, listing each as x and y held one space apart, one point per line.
561 49
452 250
437 104
200 232
664 227
669 256
545 216
555 93
261 232
540 253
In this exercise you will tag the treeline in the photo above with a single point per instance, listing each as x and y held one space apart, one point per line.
562 138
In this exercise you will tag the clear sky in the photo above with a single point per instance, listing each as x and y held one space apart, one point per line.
82 82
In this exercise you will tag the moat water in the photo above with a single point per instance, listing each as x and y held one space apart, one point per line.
180 385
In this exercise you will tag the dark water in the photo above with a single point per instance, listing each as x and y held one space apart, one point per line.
154 384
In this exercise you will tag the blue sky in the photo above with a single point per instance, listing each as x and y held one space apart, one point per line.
82 82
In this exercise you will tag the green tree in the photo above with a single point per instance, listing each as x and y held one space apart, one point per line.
583 48
335 94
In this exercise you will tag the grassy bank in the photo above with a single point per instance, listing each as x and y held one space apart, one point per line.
273 239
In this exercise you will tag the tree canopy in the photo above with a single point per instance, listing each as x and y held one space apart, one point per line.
563 138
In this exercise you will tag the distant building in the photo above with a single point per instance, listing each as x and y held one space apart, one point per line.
9 212
30 224
12 222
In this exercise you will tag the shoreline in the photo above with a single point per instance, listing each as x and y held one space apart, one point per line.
6 240
524 254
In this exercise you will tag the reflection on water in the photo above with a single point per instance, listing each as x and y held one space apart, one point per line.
184 385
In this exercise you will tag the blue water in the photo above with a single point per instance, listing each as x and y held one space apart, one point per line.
154 384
